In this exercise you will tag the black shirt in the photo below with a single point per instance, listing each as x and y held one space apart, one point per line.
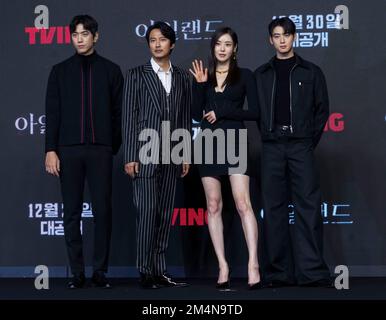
283 69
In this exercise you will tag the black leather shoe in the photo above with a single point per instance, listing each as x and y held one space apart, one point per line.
322 283
166 280
147 281
78 281
256 285
99 280
224 285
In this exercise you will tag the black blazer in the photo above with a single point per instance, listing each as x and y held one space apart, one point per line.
142 109
65 107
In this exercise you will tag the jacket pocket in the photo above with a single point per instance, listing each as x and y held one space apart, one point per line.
304 84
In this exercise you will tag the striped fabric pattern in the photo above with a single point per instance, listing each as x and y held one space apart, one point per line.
154 187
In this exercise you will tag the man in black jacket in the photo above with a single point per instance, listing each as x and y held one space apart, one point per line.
294 109
83 121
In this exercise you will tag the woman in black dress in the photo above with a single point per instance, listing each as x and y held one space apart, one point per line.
218 99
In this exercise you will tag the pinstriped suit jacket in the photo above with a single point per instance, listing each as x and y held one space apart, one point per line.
142 109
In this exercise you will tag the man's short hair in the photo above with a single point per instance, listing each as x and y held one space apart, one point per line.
286 23
165 29
89 23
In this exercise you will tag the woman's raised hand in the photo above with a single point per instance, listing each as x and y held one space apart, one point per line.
199 73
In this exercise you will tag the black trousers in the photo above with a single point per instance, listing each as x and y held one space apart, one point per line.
94 164
154 200
289 173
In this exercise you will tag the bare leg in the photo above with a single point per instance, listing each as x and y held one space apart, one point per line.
240 191
212 188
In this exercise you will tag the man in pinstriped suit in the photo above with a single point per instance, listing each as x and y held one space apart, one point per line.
155 93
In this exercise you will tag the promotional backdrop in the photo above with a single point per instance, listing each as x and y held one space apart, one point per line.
346 42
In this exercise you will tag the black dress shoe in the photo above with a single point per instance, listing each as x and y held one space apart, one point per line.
99 280
223 285
78 281
166 280
256 285
226 285
147 281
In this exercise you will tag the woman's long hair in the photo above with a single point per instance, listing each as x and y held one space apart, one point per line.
233 72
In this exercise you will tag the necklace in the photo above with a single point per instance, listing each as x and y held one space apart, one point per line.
221 72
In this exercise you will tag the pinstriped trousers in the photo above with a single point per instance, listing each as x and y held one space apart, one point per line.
154 201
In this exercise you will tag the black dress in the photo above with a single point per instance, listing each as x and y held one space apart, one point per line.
228 107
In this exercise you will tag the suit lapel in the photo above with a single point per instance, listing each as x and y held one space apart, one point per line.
152 83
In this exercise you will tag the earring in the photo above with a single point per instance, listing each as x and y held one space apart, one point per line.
234 56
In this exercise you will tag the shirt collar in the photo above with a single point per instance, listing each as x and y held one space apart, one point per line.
157 68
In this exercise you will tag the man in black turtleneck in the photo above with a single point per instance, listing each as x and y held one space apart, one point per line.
293 112
83 131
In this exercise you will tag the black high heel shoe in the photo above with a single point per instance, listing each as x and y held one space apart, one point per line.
224 285
255 286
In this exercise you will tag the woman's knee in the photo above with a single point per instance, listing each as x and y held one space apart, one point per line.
214 206
243 207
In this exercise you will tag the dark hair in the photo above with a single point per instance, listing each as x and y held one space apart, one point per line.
89 23
233 72
286 23
166 30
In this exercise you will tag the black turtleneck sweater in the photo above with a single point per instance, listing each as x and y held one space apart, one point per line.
283 68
